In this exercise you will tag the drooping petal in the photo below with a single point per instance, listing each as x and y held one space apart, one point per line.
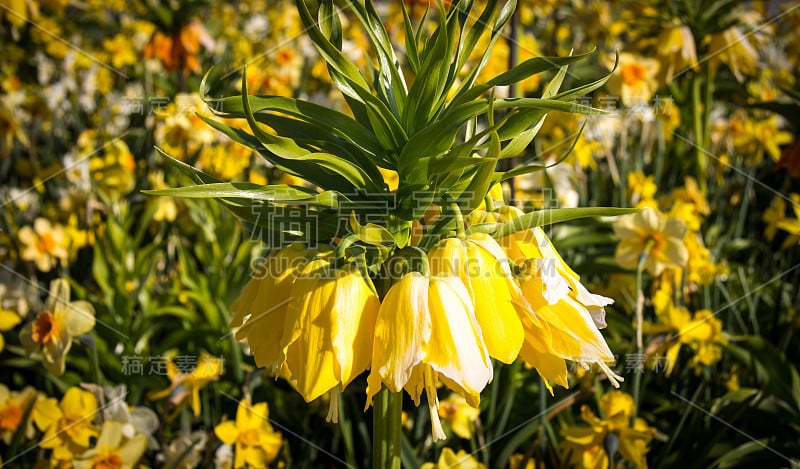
355 310
456 349
308 330
402 328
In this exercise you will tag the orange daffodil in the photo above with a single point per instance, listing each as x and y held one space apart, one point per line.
13 406
52 330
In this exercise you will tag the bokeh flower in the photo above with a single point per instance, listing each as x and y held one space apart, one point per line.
448 459
112 449
13 407
45 244
52 330
185 385
256 443
459 415
585 446
650 230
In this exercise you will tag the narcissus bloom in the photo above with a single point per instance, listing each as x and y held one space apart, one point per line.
257 444
585 445
13 405
701 332
112 450
459 415
45 244
185 386
450 460
426 331
665 236
67 425
52 331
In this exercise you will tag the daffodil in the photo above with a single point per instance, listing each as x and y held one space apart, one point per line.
733 48
186 386
67 425
650 227
8 320
635 78
426 331
257 444
459 415
451 460
773 215
676 50
13 406
641 188
481 264
702 333
45 244
52 330
791 225
585 446
112 450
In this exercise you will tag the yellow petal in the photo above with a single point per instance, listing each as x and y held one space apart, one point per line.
77 317
456 349
355 309
8 319
227 432
402 329
310 345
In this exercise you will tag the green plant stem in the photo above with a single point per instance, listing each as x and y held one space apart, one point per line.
637 377
699 135
387 428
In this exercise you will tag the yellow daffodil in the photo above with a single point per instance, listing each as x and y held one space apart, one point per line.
459 415
772 216
450 460
121 51
676 50
13 406
663 234
426 331
634 80
8 320
67 425
257 444
188 385
733 48
754 137
701 333
45 244
481 264
113 450
329 327
52 331
585 445
791 225
641 188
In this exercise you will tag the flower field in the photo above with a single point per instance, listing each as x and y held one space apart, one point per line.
376 233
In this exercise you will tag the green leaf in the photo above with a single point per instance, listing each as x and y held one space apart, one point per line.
557 215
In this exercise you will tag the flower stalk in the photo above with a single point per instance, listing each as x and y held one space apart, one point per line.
387 427
637 377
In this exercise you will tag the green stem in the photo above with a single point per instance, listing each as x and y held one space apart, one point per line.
637 377
387 429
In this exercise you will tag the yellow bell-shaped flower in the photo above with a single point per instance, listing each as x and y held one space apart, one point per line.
426 331
260 311
329 327
481 264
